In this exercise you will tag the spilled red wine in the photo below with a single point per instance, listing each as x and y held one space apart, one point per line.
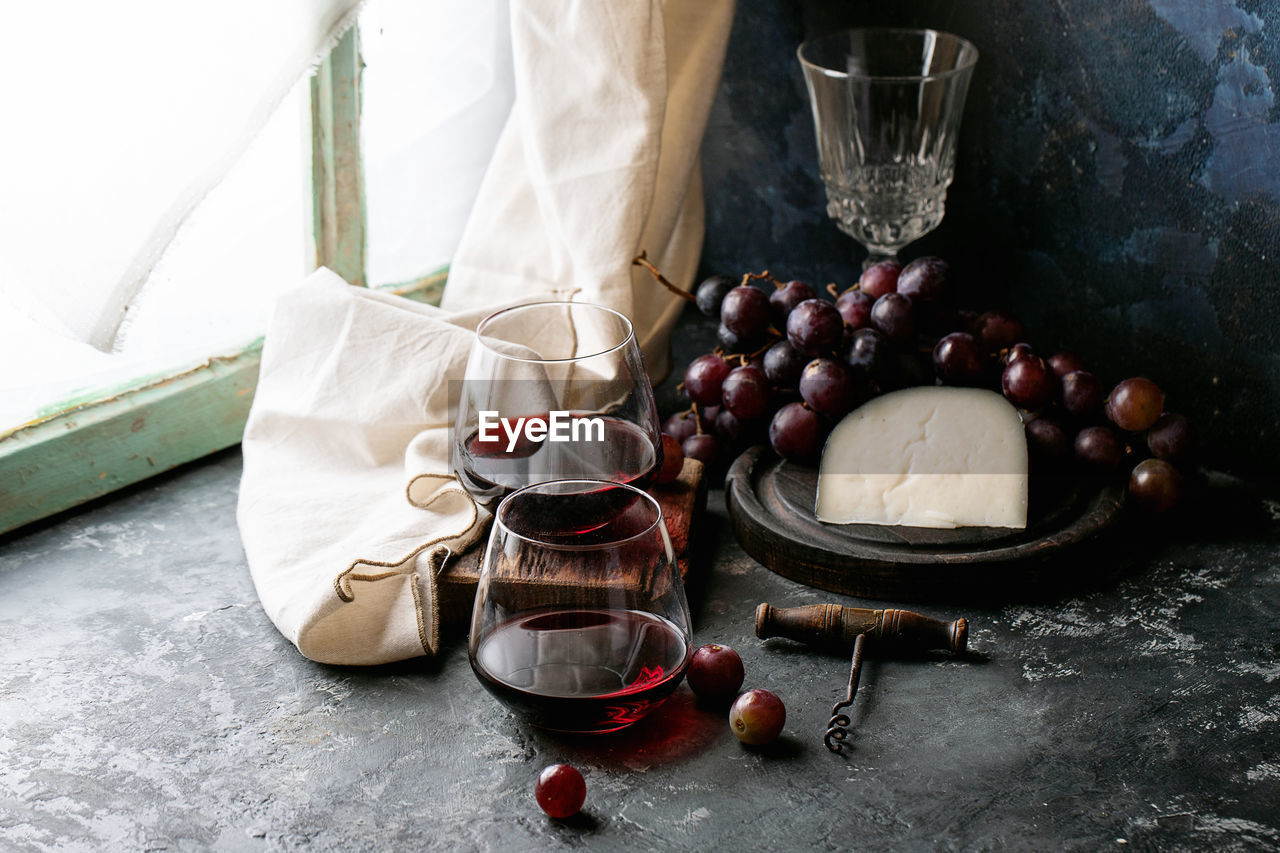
583 670
627 454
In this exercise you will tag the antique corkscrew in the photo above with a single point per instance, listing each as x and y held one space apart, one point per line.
834 627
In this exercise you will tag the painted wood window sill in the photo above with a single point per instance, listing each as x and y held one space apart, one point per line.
94 448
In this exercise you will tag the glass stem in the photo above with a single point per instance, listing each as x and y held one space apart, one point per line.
876 256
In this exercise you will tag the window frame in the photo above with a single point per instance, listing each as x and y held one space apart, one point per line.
88 447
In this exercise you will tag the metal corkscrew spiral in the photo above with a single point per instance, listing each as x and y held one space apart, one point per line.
838 725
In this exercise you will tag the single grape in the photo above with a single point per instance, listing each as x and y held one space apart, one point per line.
560 791
1017 352
757 716
796 433
1099 449
1065 362
704 379
711 293
879 279
746 392
1155 485
672 459
957 359
681 425
998 331
892 315
715 672
736 435
783 364
924 280
1047 442
894 318
815 327
1171 438
745 312
1135 404
855 309
702 447
728 428
868 354
784 300
729 341
1028 383
828 388
1081 394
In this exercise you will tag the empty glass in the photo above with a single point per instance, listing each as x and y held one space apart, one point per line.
580 621
886 110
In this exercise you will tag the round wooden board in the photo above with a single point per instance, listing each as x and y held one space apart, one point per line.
771 508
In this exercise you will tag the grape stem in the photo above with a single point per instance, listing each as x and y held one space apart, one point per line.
762 276
641 261
744 360
697 419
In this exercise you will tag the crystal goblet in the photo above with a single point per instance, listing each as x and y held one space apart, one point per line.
886 110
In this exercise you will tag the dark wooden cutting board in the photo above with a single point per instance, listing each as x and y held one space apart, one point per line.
682 500
771 503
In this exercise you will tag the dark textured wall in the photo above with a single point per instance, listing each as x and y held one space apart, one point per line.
1118 185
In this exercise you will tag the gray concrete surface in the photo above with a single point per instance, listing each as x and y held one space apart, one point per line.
146 703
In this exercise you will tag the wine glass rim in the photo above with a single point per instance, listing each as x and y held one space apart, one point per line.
629 337
971 55
586 481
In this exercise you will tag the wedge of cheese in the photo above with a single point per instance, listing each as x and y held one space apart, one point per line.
927 457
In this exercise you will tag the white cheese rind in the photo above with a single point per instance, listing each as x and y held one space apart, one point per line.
927 457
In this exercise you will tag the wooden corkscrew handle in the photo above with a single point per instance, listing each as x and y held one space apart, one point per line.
835 627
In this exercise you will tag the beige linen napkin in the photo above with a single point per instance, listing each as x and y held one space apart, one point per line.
598 159
347 506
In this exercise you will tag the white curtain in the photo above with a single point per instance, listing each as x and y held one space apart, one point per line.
133 129
438 86
130 114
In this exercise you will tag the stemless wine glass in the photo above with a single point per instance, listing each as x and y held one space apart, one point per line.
886 110
580 621
554 390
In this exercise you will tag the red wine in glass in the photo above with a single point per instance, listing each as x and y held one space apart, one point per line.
583 670
622 452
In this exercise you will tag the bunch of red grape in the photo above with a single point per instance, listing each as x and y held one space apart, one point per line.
789 364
